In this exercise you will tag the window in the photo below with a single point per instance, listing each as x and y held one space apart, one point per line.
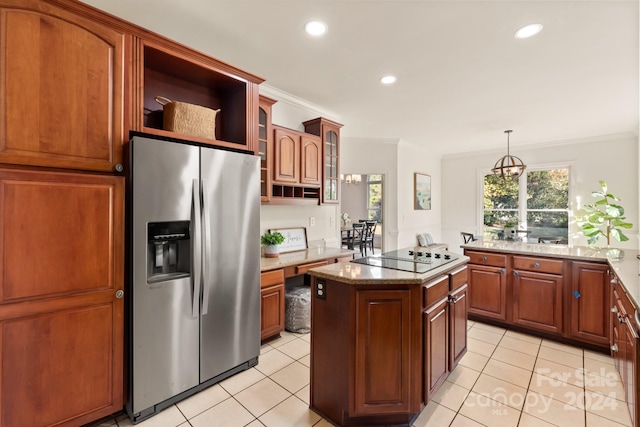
374 197
538 201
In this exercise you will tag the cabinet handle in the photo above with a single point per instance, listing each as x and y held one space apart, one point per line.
484 259
119 293
515 273
614 347
502 271
119 167
453 300
576 294
536 265
614 309
620 318
614 280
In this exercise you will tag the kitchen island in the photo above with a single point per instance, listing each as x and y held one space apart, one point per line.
384 340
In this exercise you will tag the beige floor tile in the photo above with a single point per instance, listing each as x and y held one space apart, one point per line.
434 415
508 373
500 391
170 417
594 420
553 411
265 348
305 337
470 324
304 394
563 347
462 421
489 412
474 361
284 338
602 369
490 328
242 380
292 377
291 412
608 407
202 401
324 423
560 372
608 386
515 358
484 335
255 423
296 348
558 390
273 362
463 376
562 357
262 396
519 345
523 337
185 424
451 396
527 420
480 347
600 357
229 413
305 360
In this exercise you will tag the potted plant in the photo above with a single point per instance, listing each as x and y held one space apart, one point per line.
510 229
603 218
270 241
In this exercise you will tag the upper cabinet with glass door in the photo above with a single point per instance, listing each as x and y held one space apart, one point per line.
329 131
265 146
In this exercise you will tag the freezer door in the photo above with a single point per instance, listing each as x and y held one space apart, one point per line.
230 329
165 328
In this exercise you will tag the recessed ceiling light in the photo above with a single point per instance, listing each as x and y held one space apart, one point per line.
387 80
315 28
528 31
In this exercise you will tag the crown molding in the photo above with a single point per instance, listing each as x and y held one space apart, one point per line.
296 101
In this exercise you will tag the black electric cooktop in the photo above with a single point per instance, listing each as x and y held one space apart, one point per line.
412 260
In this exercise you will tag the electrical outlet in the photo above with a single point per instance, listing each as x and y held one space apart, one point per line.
312 221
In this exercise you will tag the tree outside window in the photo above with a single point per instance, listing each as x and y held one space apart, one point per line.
374 197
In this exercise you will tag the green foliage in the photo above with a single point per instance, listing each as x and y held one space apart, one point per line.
603 218
274 238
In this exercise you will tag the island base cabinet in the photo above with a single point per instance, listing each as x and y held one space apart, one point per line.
488 291
457 325
436 347
590 303
537 301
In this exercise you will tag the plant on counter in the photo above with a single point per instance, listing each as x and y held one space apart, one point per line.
603 218
346 219
271 242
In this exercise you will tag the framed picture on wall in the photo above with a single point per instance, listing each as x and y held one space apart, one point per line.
422 192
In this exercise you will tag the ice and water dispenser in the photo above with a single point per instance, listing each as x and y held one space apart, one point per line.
169 251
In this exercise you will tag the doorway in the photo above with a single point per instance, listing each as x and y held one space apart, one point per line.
362 199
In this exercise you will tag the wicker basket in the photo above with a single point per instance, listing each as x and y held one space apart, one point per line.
188 119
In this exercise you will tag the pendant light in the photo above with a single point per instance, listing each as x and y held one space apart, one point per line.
509 167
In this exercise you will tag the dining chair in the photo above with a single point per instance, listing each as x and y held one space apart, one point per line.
355 236
468 237
370 234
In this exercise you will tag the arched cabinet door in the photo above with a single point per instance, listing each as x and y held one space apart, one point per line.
286 160
61 78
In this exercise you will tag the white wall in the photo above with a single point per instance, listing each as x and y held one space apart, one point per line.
612 158
353 200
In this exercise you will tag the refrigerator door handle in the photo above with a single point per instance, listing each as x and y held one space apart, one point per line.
206 264
197 250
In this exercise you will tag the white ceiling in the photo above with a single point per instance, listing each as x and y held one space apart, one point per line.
462 76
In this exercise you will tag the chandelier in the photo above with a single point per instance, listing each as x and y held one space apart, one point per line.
351 179
509 167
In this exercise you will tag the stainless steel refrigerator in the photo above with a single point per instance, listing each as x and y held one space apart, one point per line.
194 307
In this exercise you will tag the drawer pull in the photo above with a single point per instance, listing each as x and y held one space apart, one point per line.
576 294
614 309
484 259
614 280
515 273
614 347
502 271
536 265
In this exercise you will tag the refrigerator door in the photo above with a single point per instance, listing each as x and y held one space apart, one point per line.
230 330
165 327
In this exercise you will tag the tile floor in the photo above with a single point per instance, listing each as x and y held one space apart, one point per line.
505 379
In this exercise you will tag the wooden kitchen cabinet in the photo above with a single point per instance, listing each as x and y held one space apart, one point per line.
63 78
436 344
310 157
272 289
590 302
265 146
488 289
538 289
61 297
458 301
329 132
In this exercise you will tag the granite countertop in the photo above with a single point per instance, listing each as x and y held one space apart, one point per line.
627 268
361 274
302 257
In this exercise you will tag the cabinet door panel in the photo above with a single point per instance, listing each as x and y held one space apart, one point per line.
590 303
537 301
311 161
272 311
62 90
58 233
487 291
62 365
436 344
286 157
457 326
383 325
